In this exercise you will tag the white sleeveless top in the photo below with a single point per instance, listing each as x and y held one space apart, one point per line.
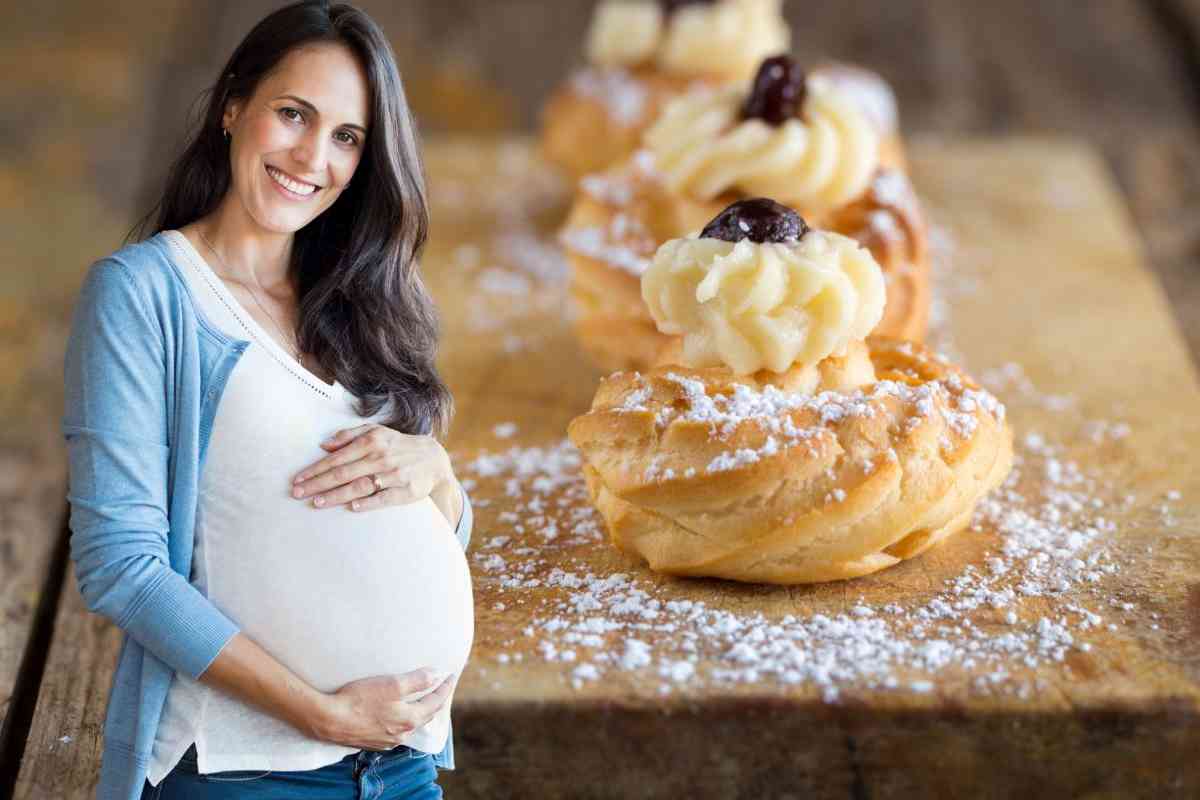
333 594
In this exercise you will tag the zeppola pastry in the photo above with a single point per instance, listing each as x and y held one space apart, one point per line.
640 55
824 143
775 441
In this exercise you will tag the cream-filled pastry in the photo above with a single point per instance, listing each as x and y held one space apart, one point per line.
709 149
642 53
798 296
857 454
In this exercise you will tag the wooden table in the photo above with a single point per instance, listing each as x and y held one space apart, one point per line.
1084 677
96 135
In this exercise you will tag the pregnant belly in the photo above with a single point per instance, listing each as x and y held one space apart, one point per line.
339 595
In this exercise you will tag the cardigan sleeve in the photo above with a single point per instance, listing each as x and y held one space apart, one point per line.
466 521
115 425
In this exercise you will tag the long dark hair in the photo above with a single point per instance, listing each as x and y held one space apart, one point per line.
364 313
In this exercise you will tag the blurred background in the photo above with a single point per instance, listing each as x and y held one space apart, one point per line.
97 97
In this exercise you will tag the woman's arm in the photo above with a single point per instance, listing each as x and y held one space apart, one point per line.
452 495
115 424
369 713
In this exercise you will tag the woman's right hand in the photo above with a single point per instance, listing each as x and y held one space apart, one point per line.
371 713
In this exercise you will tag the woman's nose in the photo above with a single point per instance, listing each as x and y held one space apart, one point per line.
311 151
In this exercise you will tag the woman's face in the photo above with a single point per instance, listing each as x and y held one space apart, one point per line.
304 127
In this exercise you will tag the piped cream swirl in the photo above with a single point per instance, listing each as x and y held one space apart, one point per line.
769 306
819 161
623 34
726 39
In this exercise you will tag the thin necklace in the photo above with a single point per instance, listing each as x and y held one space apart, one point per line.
299 356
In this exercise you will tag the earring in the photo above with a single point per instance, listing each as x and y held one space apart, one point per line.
226 132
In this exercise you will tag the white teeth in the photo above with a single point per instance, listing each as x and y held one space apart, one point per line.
289 184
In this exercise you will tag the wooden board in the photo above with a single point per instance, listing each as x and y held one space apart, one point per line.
1046 297
62 751
32 508
1045 294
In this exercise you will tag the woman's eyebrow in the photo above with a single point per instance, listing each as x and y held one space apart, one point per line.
314 110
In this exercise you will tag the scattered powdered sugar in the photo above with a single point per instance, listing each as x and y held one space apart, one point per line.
505 430
534 254
518 274
949 285
496 280
519 185
1022 605
1036 591
532 476
622 94
1010 378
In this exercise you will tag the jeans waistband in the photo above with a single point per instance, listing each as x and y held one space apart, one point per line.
190 760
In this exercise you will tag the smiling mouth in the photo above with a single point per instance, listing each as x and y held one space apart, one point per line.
291 185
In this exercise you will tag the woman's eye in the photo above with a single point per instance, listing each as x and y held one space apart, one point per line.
350 138
285 112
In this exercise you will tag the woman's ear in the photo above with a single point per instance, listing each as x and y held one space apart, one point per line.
232 109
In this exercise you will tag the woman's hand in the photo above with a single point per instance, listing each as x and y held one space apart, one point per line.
408 467
371 714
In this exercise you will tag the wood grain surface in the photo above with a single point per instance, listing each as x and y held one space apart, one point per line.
1044 283
1048 295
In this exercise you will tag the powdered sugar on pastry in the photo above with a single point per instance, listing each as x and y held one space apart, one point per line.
624 97
770 408
623 243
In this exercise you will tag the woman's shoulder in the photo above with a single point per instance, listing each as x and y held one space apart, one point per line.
144 268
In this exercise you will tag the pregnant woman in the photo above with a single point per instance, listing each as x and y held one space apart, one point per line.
258 499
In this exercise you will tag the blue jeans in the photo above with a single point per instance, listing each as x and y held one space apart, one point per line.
366 775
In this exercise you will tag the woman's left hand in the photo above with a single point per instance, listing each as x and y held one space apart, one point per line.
408 466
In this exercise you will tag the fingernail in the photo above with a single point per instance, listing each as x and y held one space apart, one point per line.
297 492
320 501
354 505
298 478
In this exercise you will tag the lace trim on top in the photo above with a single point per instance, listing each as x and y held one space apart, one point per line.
252 329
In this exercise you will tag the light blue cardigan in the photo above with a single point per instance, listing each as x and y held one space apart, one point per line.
143 373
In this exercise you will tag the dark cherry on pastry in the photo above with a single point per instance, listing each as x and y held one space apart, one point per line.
671 6
777 94
758 219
